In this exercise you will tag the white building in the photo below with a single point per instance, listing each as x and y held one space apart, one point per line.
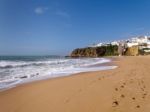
96 45
140 40
99 44
137 41
130 44
148 44
115 43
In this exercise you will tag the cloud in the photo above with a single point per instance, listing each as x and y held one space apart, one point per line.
62 14
40 10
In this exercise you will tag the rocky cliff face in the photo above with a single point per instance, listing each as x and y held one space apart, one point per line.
132 51
95 51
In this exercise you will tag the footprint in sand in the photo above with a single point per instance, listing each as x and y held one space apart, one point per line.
142 81
116 89
99 78
122 86
67 100
139 83
144 95
122 96
115 103
133 98
142 89
138 106
124 83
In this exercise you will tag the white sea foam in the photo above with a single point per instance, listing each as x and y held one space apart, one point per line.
17 72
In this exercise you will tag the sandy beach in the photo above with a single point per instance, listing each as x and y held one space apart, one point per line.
125 89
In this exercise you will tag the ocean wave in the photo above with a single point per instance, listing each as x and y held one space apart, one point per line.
12 64
76 62
14 72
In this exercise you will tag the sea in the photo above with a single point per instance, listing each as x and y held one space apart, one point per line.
15 70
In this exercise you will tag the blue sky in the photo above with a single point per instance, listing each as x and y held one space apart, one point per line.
46 27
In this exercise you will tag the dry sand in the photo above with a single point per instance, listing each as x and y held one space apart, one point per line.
125 89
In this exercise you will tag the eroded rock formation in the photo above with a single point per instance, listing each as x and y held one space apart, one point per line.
95 51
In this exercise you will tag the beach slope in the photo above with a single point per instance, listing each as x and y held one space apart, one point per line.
125 89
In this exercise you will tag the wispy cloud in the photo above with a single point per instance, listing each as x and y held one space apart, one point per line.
55 12
62 14
40 10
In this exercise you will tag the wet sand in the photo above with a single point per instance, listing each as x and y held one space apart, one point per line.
125 89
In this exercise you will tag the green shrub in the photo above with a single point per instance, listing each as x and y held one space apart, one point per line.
110 50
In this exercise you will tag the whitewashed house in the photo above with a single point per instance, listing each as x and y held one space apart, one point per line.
131 44
96 45
115 43
140 40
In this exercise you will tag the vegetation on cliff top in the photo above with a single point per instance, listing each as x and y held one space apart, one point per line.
110 50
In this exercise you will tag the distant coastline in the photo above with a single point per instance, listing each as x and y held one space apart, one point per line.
130 47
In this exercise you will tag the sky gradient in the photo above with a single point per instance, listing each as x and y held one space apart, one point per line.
48 27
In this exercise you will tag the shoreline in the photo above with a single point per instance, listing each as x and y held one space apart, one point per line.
107 64
124 89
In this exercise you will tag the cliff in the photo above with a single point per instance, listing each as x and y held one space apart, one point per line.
132 51
95 51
